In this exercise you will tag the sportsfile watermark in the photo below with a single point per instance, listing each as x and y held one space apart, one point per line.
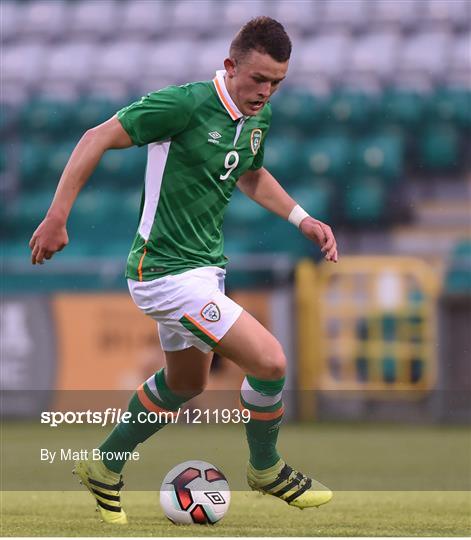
44 433
112 416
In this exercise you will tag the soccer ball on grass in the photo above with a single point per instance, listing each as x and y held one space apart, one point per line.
195 492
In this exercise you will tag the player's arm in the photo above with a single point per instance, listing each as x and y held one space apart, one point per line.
51 235
264 189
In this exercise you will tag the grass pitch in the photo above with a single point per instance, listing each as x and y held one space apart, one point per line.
376 472
251 514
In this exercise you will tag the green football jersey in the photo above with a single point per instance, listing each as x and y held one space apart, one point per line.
198 145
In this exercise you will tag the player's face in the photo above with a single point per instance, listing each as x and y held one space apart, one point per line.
253 80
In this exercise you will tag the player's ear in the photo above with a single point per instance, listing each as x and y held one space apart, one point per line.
229 65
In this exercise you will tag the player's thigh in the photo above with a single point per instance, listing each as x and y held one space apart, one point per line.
187 371
253 348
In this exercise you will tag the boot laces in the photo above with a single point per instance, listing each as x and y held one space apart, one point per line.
294 475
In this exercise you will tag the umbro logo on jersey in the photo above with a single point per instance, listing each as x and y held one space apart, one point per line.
215 136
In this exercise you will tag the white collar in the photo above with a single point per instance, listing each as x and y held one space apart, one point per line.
225 98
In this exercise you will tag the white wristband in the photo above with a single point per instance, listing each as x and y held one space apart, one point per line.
296 215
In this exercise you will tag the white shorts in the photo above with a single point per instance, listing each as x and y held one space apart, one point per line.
191 308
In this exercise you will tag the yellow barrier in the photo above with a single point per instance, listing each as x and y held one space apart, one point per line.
368 323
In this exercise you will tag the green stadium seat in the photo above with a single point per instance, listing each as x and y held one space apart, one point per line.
298 110
3 157
351 108
16 248
389 369
315 196
458 281
250 228
4 206
42 163
275 236
236 244
33 164
243 280
416 296
361 368
389 324
402 107
328 155
380 155
365 201
58 155
77 247
458 275
91 111
122 168
462 250
242 210
247 226
47 117
416 370
8 119
282 158
25 213
116 249
19 249
439 148
100 216
452 105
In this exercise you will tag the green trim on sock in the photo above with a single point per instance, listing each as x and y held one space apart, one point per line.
262 435
116 442
169 400
266 388
127 435
152 397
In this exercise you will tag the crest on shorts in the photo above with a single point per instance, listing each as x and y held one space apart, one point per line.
255 140
211 312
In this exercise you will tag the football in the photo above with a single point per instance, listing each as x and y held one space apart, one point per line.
195 492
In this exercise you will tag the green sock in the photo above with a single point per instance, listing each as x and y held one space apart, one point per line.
263 400
153 395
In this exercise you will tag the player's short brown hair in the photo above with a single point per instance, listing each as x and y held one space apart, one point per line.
264 35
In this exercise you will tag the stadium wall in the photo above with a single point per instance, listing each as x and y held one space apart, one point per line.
69 350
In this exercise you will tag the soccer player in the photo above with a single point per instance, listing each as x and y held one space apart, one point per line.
203 139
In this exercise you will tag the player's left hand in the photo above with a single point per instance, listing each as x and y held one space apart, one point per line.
322 235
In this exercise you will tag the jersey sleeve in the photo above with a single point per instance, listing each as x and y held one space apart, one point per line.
157 116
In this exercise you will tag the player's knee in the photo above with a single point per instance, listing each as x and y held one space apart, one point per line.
189 389
274 363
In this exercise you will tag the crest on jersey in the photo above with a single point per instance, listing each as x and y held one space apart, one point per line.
255 140
211 312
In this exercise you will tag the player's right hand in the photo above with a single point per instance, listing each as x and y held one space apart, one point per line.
50 237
